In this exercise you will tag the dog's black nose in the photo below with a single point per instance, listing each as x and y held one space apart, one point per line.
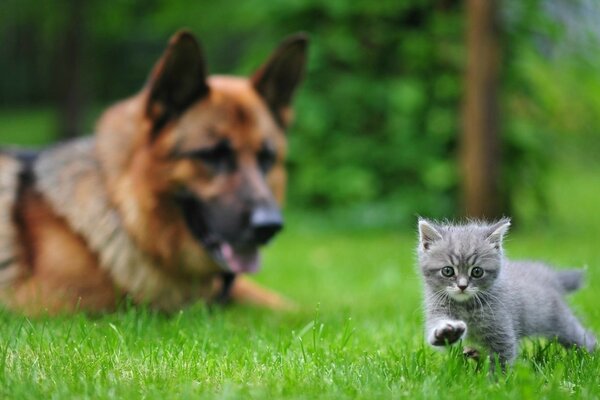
265 222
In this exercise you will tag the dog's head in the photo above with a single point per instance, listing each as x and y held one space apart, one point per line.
213 148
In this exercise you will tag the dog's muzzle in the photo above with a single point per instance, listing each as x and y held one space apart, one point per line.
233 256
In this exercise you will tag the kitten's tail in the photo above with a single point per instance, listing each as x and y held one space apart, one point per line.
570 279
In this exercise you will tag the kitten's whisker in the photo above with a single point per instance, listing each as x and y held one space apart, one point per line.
478 299
437 301
438 298
493 298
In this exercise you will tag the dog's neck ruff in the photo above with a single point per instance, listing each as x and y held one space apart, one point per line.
10 172
84 203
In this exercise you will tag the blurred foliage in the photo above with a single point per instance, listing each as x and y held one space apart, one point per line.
379 114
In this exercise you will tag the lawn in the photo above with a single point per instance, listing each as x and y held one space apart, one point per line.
357 334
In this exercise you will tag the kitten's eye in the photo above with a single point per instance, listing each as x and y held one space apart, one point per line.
477 272
448 271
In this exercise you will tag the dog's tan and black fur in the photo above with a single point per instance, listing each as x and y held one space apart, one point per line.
179 187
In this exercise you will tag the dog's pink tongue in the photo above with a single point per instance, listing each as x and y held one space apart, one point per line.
240 261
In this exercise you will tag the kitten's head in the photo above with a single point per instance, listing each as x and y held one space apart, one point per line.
461 260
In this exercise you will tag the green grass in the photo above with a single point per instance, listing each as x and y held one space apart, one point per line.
358 333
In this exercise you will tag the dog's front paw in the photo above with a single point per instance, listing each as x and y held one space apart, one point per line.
447 332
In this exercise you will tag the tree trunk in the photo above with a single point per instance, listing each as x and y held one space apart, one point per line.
480 140
70 83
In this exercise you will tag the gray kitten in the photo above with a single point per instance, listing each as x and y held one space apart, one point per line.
470 287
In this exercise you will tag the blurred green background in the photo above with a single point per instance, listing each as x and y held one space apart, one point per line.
377 135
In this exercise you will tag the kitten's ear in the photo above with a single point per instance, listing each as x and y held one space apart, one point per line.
498 231
427 234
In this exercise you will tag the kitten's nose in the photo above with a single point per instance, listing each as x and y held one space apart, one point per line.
462 287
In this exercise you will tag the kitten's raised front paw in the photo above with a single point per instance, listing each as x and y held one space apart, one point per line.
447 332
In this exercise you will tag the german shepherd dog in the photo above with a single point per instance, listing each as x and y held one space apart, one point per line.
170 199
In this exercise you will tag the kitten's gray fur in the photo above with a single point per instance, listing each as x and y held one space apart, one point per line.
512 299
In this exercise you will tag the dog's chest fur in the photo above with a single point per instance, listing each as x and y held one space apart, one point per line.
69 178
10 170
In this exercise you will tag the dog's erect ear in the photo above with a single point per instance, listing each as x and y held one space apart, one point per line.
278 78
177 80
428 234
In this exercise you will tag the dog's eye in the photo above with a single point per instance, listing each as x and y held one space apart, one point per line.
448 271
266 159
221 157
477 272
